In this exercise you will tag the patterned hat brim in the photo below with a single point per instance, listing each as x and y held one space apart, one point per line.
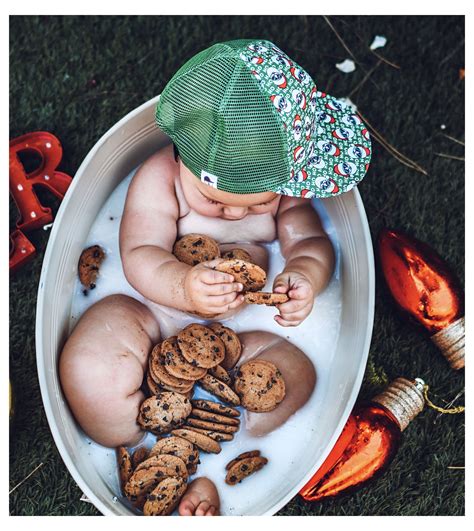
334 155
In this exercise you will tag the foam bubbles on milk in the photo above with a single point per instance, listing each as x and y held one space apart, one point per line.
316 337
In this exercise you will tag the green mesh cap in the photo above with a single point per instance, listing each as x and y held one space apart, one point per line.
246 119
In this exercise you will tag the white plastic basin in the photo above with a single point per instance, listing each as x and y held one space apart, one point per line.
120 150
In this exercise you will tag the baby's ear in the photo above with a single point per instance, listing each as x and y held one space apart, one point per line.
176 152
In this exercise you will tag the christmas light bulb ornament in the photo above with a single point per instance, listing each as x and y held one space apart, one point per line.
425 288
374 442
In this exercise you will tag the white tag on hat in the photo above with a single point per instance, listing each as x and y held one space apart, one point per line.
209 179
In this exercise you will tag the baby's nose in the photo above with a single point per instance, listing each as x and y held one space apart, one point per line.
235 212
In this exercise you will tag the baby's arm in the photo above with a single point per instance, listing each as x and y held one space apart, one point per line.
147 235
309 259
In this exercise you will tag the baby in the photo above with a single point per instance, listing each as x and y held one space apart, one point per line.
253 140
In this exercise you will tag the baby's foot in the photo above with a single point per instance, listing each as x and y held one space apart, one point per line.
200 499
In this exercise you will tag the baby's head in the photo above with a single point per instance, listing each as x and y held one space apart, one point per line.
250 125
215 203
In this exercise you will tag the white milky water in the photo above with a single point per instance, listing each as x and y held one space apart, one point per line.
316 337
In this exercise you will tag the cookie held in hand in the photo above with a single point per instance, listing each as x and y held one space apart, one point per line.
251 276
264 297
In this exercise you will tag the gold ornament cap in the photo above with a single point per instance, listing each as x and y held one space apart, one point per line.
451 342
404 399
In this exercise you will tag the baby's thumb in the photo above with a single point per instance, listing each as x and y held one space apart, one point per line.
280 284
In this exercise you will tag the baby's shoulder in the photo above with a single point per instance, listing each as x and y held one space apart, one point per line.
160 167
154 181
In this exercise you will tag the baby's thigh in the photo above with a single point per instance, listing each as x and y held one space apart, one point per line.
296 368
102 365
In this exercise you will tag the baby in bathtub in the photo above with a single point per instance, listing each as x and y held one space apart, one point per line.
253 141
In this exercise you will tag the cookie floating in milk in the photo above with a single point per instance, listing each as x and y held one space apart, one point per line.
89 265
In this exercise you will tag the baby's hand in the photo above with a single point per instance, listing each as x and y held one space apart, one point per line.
301 294
211 291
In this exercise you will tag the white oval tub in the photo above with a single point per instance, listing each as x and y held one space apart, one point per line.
119 151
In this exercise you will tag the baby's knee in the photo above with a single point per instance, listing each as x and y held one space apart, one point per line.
297 371
102 365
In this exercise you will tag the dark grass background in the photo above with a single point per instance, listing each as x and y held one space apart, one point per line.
77 76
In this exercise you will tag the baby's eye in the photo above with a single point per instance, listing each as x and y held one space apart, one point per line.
212 202
264 204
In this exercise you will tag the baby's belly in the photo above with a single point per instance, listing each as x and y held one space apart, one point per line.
252 228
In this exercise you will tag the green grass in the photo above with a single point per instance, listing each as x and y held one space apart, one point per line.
53 62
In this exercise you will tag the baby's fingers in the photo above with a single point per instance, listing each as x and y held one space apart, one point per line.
222 289
292 306
210 276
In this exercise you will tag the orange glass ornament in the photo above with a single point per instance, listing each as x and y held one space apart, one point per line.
369 441
426 290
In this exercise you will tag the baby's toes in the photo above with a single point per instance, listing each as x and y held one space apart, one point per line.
202 508
212 511
186 507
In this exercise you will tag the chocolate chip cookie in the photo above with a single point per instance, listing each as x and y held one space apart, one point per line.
89 264
159 373
214 417
243 468
267 298
237 254
217 436
221 374
252 453
168 465
233 347
125 465
211 426
139 455
176 364
164 412
259 385
251 276
164 498
192 249
199 439
219 389
215 407
201 346
141 483
180 448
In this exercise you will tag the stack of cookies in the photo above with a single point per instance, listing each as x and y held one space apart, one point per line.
210 420
155 481
198 354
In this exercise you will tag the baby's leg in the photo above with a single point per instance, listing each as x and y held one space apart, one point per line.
200 499
101 368
297 371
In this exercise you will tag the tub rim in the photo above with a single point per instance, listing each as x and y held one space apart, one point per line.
40 308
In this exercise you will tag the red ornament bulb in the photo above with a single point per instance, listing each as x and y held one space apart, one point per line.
425 288
368 442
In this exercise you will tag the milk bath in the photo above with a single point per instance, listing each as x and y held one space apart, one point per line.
317 337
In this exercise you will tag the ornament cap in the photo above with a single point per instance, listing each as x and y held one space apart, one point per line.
451 342
404 399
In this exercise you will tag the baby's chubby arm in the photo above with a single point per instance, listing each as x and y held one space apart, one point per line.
309 259
147 235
